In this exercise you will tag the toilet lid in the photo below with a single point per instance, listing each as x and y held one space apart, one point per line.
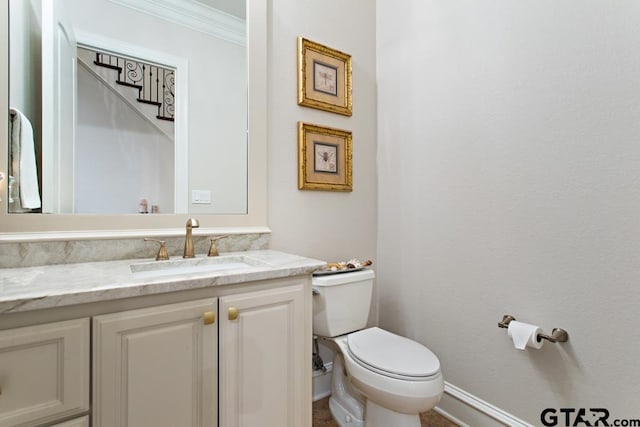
392 353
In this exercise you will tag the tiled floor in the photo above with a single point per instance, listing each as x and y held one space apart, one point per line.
322 417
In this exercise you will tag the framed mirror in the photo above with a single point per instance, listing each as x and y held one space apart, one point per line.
214 177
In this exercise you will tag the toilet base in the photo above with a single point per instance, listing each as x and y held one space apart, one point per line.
376 416
346 409
379 416
342 416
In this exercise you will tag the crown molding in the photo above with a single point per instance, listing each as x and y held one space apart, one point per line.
194 15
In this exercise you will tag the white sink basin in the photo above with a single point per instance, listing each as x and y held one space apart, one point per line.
227 264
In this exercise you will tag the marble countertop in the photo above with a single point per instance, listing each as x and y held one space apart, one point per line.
34 288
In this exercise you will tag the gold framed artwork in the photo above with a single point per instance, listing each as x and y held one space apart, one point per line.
324 158
324 78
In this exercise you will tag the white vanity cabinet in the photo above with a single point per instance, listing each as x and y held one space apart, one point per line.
265 354
158 348
44 373
156 366
173 365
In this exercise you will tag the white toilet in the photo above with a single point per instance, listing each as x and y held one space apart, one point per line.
379 379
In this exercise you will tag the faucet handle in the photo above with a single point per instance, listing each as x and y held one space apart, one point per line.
162 255
213 250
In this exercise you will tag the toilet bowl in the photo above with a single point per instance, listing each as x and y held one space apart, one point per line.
379 379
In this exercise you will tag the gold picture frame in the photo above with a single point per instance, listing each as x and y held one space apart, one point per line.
324 158
324 78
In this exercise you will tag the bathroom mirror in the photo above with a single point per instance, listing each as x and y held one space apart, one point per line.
199 160
103 122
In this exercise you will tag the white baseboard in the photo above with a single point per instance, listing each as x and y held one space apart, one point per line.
465 409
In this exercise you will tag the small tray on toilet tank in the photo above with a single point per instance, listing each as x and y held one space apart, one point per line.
325 272
342 267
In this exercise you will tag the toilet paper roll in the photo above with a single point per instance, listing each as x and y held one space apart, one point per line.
524 335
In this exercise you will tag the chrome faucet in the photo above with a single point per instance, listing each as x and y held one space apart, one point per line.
188 240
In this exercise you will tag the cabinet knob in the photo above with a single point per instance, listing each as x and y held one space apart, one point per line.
233 313
209 317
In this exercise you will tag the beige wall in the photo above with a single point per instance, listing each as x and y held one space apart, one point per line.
509 182
331 226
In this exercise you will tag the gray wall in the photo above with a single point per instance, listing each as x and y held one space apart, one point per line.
509 182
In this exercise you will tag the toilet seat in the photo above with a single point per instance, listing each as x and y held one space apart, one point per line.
391 355
396 392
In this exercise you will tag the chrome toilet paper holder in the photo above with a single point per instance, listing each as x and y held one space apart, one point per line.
557 334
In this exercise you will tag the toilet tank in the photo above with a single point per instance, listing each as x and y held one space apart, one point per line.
341 302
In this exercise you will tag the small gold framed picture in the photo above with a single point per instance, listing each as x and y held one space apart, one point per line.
324 78
324 158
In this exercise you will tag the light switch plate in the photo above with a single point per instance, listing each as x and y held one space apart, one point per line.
202 197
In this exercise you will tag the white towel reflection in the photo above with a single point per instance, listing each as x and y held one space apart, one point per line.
23 162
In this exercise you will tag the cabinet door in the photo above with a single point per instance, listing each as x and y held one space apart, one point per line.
265 358
44 372
156 366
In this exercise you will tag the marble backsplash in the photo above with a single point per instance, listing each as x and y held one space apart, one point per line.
31 254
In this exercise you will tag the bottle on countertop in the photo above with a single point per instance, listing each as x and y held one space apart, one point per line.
143 207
